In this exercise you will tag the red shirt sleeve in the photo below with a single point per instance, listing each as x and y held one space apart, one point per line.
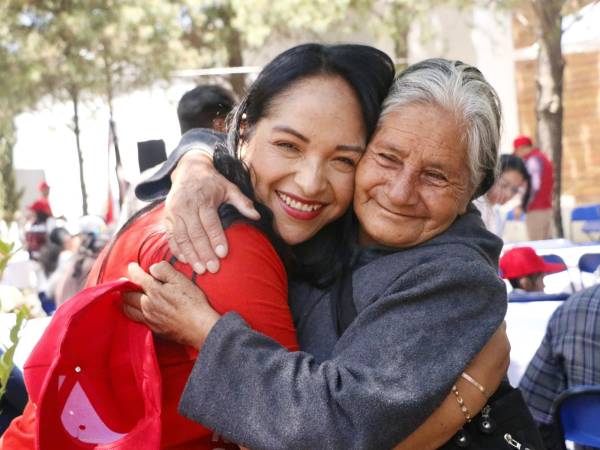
20 434
252 281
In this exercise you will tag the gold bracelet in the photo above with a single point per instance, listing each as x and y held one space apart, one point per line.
461 404
474 382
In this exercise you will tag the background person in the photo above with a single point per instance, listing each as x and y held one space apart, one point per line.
538 217
512 180
205 106
568 356
54 259
525 270
39 224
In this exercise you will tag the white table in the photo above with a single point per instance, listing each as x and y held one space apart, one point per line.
526 325
526 322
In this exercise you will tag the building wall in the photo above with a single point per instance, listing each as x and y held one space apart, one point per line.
581 132
477 36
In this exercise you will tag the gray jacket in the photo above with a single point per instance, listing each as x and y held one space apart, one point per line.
423 314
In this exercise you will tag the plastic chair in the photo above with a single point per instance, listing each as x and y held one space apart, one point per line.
511 216
556 259
528 297
590 216
576 411
588 262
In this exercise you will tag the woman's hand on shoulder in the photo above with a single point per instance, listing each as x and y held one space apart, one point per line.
194 230
171 305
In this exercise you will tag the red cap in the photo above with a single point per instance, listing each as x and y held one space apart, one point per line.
96 393
41 205
521 141
43 186
522 261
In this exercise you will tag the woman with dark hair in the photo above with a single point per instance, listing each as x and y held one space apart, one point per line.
512 181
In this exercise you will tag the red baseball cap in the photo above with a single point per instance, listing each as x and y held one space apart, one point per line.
522 261
522 140
43 186
41 205
100 393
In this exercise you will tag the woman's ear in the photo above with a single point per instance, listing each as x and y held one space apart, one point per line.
526 284
243 128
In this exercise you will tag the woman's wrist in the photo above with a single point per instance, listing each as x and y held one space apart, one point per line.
203 326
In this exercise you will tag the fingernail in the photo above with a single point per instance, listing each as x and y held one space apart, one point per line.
198 268
182 259
221 251
212 266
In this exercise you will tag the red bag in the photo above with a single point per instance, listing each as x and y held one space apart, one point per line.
103 393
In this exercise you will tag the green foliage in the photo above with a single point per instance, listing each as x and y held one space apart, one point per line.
7 251
6 359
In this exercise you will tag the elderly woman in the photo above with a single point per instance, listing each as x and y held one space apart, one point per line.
420 296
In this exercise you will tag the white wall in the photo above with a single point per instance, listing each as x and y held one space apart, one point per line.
482 37
45 141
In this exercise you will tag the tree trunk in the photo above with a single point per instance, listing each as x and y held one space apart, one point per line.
110 97
549 102
11 197
111 122
235 57
399 35
75 99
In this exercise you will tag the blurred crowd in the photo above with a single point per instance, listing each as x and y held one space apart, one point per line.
63 252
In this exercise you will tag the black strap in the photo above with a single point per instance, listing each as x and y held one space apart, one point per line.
342 302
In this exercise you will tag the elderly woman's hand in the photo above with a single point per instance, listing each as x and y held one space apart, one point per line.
194 230
171 305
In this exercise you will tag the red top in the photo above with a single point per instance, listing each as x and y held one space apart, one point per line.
542 198
252 281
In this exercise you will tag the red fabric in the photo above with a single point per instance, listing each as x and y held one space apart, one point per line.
251 281
21 432
543 198
522 261
109 217
116 373
41 205
521 141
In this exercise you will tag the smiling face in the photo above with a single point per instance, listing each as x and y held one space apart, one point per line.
303 154
413 181
507 186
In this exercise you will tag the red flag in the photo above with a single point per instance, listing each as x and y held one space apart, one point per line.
109 217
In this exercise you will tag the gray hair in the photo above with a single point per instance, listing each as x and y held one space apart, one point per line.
462 90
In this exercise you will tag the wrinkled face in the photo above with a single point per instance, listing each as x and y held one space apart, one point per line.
413 181
507 186
303 154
